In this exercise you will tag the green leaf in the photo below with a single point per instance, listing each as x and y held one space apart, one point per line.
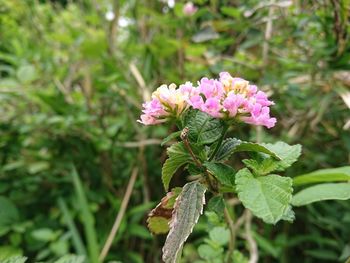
220 235
233 145
321 192
288 154
8 212
216 204
71 259
230 11
226 148
222 172
13 259
139 231
238 257
74 232
195 170
203 128
158 224
171 197
263 167
289 215
170 137
255 147
11 254
43 234
178 156
324 175
88 217
208 252
268 197
188 208
26 74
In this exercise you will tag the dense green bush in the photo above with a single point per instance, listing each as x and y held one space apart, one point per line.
71 87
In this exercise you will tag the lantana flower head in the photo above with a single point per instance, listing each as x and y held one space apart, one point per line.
167 101
227 98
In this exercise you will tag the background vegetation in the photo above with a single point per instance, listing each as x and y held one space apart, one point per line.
73 75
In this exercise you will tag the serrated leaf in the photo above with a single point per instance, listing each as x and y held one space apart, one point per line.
9 252
255 147
188 208
159 218
170 137
288 154
289 215
220 235
71 259
158 224
222 172
15 259
209 253
178 156
216 204
226 148
203 128
194 170
324 175
8 212
238 257
262 167
233 145
321 192
268 197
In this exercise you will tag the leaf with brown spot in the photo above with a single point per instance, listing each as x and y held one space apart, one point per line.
159 218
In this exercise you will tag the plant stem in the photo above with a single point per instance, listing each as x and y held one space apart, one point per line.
219 142
253 248
184 138
231 245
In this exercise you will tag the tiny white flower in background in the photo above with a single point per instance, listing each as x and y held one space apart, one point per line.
109 15
123 22
171 3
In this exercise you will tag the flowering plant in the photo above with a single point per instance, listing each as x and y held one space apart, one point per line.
227 98
203 114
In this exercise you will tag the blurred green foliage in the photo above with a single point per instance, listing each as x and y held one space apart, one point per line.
72 81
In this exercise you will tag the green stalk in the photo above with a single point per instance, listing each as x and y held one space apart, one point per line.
77 242
88 218
219 142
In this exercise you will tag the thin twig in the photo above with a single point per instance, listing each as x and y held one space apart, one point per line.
233 227
140 143
253 248
268 34
120 215
140 81
113 28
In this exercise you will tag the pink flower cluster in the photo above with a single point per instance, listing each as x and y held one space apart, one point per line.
226 97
